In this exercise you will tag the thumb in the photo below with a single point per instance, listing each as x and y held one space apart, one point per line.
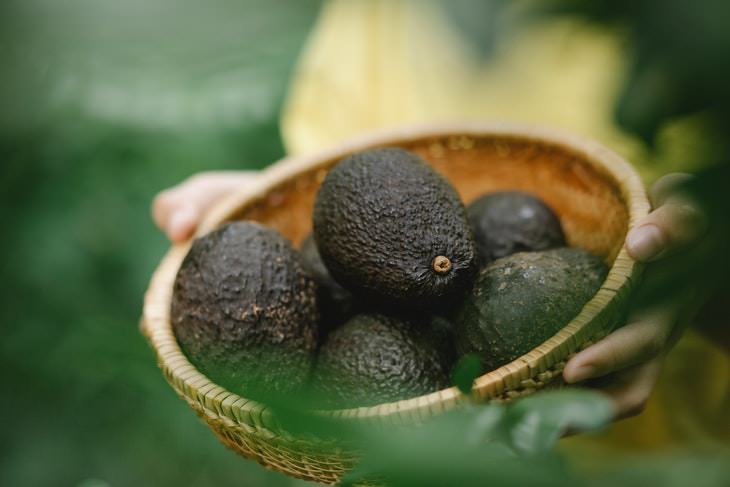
673 225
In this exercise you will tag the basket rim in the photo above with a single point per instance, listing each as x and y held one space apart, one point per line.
255 418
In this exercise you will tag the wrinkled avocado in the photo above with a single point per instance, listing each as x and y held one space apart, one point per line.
507 222
244 310
336 304
389 228
520 301
374 359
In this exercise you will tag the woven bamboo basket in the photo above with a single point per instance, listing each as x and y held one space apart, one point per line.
596 194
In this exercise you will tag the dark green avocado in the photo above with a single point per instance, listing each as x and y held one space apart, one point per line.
336 304
520 301
390 228
374 359
244 310
443 331
507 222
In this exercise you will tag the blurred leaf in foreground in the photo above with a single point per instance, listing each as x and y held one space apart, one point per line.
480 444
465 372
536 423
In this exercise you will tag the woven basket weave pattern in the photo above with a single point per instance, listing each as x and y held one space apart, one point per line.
597 195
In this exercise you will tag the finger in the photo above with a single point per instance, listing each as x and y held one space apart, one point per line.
665 230
631 389
162 205
633 344
178 210
204 190
182 223
666 187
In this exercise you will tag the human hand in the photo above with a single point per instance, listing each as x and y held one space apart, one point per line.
626 364
177 211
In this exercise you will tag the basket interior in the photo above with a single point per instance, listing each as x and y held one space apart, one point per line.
586 198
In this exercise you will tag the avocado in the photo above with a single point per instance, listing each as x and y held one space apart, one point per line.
507 222
336 304
520 301
443 331
244 310
391 229
374 359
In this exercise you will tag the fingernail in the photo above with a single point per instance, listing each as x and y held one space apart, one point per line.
580 374
645 242
181 222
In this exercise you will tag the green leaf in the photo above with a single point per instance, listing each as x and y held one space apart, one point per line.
484 444
536 423
466 371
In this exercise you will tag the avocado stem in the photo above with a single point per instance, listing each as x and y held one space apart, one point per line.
441 264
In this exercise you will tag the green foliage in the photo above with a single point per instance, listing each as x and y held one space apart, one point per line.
537 422
679 53
473 445
104 104
501 445
468 368
513 445
484 444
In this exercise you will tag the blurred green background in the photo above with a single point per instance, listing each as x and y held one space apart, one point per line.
104 103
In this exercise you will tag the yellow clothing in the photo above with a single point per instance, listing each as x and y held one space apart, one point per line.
376 63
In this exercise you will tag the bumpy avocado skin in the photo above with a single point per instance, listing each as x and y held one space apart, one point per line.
520 301
443 331
336 304
381 217
244 311
507 222
374 359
